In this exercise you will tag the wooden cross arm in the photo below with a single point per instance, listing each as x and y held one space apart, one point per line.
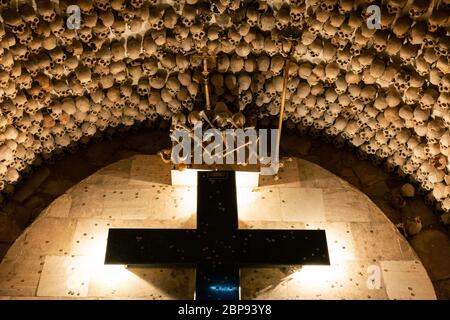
152 247
282 247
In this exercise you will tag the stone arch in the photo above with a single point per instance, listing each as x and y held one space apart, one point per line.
61 253
385 91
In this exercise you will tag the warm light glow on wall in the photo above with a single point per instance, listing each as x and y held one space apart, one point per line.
312 274
247 179
185 178
117 274
188 177
316 279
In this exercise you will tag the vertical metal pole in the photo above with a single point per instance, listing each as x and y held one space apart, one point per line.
205 79
283 103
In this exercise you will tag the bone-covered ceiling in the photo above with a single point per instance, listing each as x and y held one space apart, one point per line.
385 91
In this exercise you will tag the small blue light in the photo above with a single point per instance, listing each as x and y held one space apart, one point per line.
221 288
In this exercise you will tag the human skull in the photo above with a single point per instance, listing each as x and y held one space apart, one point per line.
380 39
444 84
402 26
118 27
46 10
395 6
418 8
436 20
429 98
188 15
408 53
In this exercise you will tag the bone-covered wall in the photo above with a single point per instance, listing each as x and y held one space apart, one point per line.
385 91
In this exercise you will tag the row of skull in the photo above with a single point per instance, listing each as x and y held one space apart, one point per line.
318 104
366 86
190 22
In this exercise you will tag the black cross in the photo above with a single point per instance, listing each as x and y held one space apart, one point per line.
217 247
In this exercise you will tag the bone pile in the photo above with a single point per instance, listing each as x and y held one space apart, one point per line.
385 92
